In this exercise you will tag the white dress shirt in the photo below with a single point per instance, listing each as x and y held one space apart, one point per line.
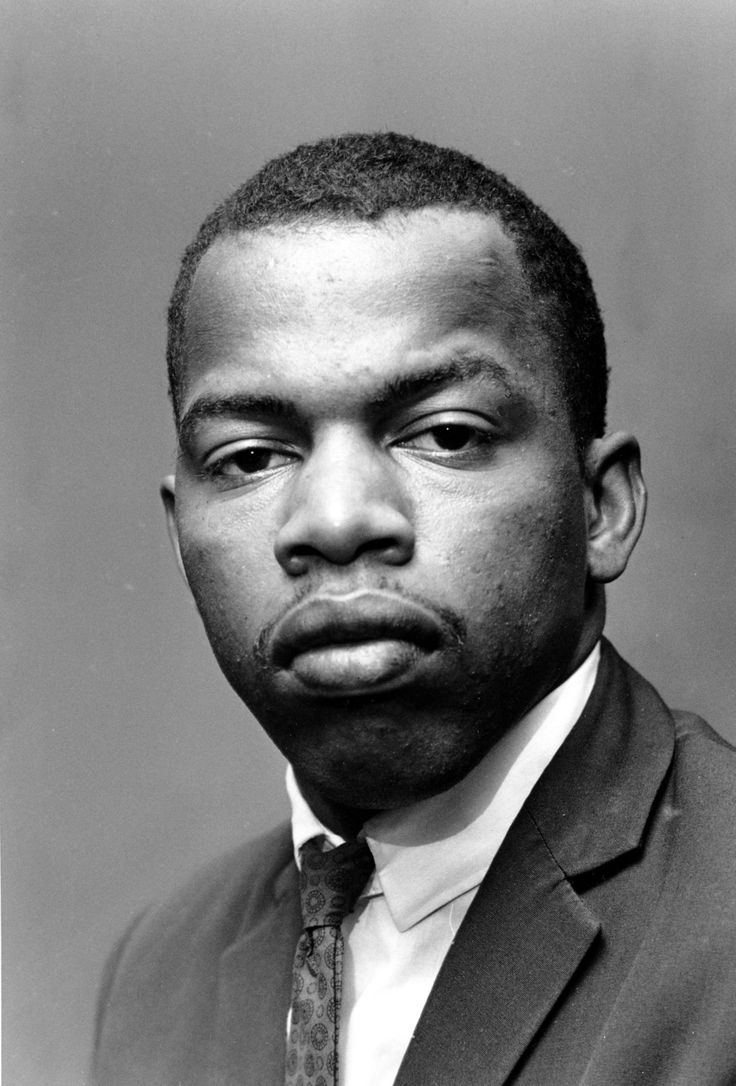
430 859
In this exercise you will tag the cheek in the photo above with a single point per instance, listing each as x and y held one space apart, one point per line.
228 572
526 558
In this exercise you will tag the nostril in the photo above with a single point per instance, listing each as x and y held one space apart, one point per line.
392 550
298 560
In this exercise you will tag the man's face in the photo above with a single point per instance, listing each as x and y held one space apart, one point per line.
379 506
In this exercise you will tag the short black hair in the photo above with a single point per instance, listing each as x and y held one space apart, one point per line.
363 176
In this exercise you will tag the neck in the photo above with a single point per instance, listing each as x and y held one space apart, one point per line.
345 821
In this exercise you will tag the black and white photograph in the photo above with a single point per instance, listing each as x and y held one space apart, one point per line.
367 406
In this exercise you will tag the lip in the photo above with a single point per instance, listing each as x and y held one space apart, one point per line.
326 620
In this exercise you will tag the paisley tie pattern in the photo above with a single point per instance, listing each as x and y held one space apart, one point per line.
331 882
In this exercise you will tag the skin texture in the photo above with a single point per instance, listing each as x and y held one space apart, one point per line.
371 426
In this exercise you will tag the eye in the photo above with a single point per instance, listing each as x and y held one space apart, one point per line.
455 440
450 437
245 461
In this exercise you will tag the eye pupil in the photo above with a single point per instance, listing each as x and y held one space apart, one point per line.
451 436
250 460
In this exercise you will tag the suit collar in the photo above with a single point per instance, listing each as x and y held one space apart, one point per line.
528 931
593 802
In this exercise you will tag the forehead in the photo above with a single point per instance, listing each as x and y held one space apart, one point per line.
371 290
399 260
430 243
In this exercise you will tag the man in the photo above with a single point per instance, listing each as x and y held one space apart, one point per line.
396 509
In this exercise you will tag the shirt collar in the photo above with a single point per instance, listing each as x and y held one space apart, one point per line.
304 823
437 849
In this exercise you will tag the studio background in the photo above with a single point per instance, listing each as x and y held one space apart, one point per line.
126 759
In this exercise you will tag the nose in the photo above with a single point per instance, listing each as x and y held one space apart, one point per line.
346 503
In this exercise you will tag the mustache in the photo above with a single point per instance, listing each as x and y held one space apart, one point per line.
452 624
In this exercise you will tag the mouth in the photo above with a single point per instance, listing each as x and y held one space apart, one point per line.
350 643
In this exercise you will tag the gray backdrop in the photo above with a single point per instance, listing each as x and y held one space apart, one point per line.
126 759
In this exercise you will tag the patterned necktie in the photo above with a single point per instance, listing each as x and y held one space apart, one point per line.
331 882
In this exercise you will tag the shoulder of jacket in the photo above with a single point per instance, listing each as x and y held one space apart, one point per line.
699 744
703 801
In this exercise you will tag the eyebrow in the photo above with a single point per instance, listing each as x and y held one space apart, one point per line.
234 405
462 367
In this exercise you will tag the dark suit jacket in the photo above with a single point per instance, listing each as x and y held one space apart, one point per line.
600 948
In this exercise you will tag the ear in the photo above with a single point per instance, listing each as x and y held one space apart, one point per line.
168 497
616 499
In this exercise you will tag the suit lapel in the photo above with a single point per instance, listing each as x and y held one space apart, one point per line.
521 942
528 931
593 803
254 991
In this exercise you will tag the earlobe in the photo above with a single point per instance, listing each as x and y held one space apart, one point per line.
168 497
616 504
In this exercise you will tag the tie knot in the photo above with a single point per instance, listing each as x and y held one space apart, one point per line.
331 881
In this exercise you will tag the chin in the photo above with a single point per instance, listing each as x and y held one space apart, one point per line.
392 775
